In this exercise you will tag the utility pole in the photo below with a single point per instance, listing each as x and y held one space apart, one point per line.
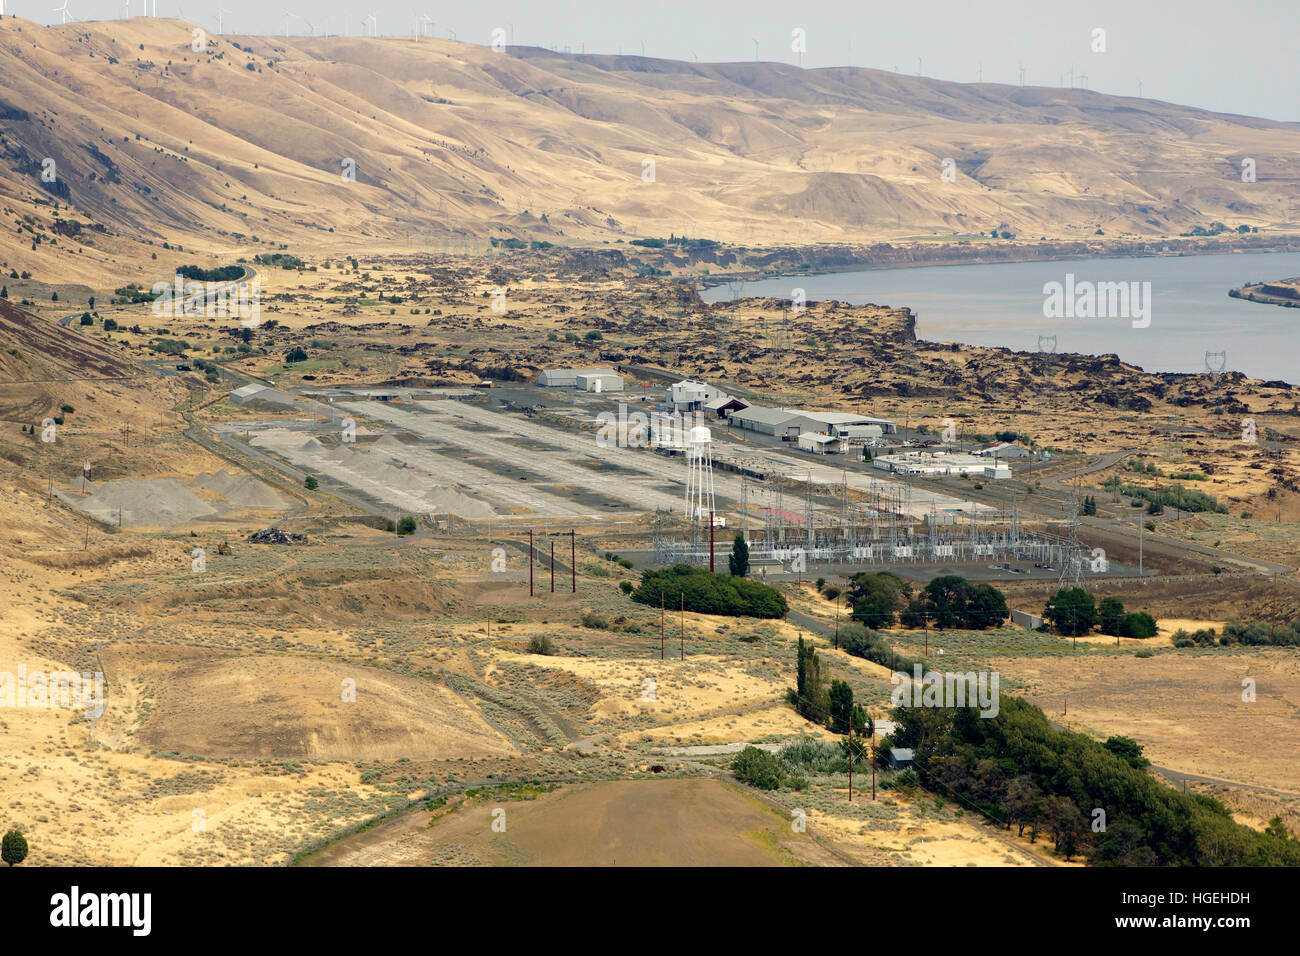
530 562
552 566
683 625
873 764
850 756
661 625
711 542
837 633
573 558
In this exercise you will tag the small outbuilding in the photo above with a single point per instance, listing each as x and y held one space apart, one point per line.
820 444
900 758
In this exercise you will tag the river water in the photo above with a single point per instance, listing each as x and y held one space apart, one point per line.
1003 304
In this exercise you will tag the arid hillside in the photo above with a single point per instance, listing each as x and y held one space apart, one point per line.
322 142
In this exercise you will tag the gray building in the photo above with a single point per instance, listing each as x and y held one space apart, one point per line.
599 382
900 758
766 421
568 377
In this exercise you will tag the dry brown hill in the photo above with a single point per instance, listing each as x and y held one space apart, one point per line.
155 142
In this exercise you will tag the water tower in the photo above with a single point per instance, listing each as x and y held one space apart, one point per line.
699 473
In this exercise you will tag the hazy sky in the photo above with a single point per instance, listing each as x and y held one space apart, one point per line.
1240 56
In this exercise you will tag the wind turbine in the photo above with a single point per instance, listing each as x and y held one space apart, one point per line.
451 34
311 32
372 22
421 22
63 10
221 23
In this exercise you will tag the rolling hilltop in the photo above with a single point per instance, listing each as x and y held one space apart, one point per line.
153 141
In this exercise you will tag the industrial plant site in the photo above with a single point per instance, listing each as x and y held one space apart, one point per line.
680 464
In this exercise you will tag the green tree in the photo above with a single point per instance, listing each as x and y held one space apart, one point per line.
945 599
986 606
296 354
13 849
4 292
1071 612
876 597
738 560
841 706
1128 750
1066 824
1023 802
758 768
862 724
311 484
1110 615
406 525
1276 828
810 696
1138 624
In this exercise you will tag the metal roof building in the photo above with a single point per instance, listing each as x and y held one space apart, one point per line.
599 381
568 377
820 444
724 405
765 421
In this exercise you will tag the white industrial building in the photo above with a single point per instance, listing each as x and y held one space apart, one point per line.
858 434
1004 449
766 421
820 444
829 422
689 396
791 422
600 381
262 396
942 464
568 378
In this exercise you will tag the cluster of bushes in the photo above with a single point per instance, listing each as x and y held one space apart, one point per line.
209 370
403 526
879 598
704 592
1018 769
1175 496
170 346
1074 612
621 562
219 274
281 259
1249 633
788 766
134 295
540 644
871 646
